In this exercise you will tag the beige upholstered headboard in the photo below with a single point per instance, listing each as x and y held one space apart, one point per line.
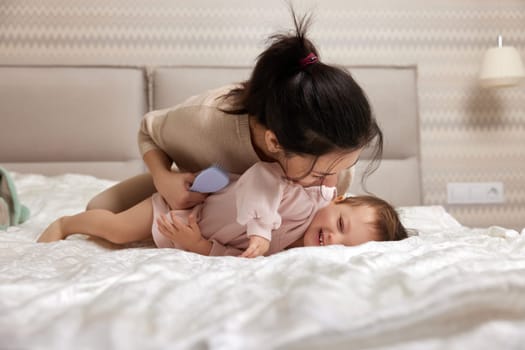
393 95
71 119
85 119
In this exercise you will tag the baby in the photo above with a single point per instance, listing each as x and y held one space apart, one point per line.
261 213
346 221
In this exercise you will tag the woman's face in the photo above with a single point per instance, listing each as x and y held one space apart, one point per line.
340 223
323 172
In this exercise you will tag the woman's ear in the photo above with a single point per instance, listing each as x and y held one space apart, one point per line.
272 143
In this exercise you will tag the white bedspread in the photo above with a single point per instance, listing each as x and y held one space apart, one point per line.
450 287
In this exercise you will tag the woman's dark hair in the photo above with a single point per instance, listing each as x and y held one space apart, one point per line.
313 109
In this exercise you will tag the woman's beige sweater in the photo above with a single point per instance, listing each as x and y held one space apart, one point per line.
196 134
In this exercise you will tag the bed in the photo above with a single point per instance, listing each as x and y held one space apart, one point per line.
446 286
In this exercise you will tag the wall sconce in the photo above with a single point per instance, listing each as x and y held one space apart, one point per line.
502 66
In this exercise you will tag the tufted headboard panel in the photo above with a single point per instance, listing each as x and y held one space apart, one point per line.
71 119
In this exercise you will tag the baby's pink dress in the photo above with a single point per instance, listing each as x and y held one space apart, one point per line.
261 202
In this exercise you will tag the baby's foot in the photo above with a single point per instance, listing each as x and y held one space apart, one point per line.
52 233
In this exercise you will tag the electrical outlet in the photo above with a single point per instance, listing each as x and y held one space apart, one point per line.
475 192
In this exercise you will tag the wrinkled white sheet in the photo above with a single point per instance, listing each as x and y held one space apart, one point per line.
450 287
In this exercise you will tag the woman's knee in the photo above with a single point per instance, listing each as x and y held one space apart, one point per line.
123 195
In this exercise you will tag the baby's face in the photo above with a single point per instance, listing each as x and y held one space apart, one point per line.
340 223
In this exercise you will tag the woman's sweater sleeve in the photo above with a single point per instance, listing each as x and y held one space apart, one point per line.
149 136
258 197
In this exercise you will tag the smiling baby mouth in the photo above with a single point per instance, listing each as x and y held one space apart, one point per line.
321 237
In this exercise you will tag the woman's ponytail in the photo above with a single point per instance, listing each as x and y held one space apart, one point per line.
313 108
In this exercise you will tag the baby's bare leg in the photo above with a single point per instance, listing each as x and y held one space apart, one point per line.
128 226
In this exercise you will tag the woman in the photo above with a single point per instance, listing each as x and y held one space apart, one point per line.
312 108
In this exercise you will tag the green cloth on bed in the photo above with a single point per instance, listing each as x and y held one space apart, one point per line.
12 212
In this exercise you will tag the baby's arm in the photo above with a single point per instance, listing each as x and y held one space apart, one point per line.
259 193
258 246
187 236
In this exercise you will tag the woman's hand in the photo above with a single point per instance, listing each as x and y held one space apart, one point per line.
258 246
187 236
174 188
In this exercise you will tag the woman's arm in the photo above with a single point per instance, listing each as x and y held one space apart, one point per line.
157 162
173 186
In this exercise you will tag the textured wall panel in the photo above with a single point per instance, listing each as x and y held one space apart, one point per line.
468 134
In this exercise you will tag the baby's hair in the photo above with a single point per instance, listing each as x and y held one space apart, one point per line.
312 107
387 223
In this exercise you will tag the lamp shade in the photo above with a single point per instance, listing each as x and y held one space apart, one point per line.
501 66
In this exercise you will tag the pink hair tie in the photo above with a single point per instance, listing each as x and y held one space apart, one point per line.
308 60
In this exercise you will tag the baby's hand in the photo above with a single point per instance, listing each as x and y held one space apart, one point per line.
258 246
187 236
